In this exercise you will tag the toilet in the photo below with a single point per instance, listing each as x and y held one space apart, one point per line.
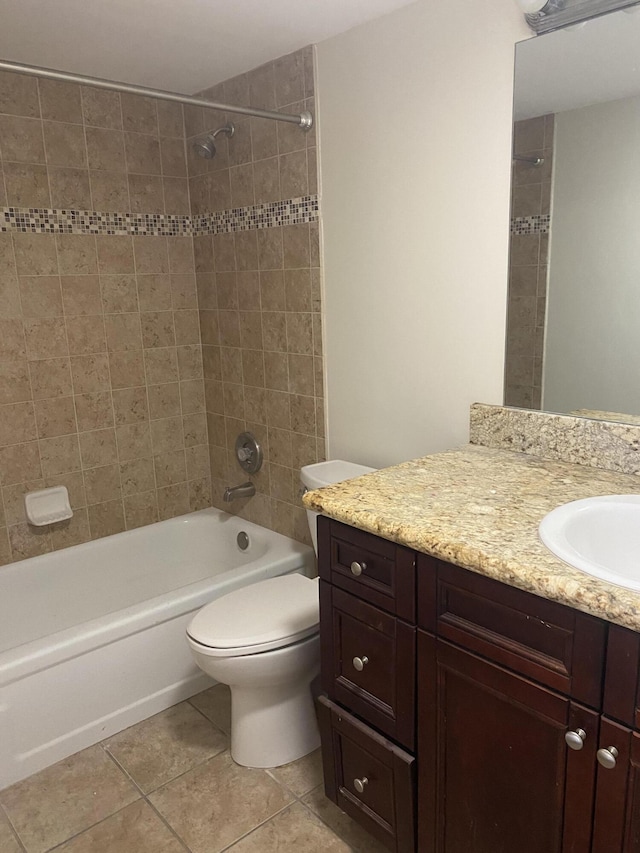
263 641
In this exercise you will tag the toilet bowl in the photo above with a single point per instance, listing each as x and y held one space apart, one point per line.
263 641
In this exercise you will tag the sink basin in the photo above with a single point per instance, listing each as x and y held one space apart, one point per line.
599 536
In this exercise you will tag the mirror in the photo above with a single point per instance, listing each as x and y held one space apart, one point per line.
573 330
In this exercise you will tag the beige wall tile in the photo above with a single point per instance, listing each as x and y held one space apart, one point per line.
55 416
141 509
105 519
127 369
173 500
90 373
22 140
139 114
134 442
119 293
94 410
26 185
17 423
81 294
64 144
154 292
137 475
19 95
85 334
49 378
101 108
12 339
130 405
109 191
98 448
74 531
60 101
59 455
123 332
35 254
102 484
164 400
27 541
70 188
77 254
45 338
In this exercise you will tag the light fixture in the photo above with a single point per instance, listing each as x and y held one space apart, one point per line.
543 17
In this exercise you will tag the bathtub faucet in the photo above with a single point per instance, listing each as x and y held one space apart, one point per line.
246 490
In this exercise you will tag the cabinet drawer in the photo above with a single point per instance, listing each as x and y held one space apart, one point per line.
554 645
369 777
374 569
368 662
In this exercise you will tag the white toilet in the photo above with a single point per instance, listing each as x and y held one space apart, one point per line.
263 641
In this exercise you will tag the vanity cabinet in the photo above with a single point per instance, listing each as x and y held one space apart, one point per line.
463 715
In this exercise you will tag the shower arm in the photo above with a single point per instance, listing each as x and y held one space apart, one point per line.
304 120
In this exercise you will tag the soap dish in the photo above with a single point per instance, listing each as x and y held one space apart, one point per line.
47 506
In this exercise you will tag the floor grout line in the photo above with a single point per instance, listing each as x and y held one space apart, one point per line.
12 827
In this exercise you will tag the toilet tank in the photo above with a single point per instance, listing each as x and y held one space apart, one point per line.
326 474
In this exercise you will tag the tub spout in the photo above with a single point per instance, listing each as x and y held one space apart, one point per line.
246 490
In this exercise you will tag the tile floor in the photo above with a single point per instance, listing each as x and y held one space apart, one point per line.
168 785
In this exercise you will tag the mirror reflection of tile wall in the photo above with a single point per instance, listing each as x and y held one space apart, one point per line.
530 207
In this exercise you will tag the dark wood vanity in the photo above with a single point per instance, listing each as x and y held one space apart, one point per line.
462 715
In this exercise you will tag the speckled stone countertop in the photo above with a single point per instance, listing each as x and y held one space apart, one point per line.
480 508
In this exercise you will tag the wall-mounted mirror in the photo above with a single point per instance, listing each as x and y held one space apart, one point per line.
573 331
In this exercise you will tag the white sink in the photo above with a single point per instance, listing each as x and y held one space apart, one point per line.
599 536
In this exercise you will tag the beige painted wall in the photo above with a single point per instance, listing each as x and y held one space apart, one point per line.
415 134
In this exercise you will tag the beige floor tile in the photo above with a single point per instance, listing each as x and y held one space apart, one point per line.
158 749
357 838
215 703
300 776
67 798
8 841
292 831
135 829
219 802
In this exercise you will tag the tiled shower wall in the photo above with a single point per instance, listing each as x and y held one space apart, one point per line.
259 293
530 211
101 368
101 385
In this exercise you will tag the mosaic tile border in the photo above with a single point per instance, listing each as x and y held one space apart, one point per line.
609 445
525 225
51 221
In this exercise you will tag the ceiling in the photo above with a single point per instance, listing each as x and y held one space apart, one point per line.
181 45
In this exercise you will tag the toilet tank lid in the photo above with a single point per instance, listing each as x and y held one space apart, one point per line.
333 471
283 608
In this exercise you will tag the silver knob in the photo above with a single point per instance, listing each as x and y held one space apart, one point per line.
359 663
607 757
358 568
359 784
575 740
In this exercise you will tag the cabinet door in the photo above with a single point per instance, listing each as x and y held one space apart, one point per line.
495 773
616 826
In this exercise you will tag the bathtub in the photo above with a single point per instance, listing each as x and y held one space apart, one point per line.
92 637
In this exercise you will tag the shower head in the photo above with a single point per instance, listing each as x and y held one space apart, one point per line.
207 147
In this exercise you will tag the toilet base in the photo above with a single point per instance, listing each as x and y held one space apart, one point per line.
271 727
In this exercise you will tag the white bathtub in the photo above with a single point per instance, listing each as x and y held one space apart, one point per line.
92 637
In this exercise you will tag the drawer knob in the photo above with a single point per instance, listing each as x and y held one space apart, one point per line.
360 663
575 740
607 757
359 784
358 568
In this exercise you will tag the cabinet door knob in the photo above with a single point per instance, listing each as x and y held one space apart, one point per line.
607 757
575 740
359 784
360 663
358 568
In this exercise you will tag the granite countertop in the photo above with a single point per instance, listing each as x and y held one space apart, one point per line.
480 508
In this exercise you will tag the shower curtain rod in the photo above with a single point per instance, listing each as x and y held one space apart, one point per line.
303 120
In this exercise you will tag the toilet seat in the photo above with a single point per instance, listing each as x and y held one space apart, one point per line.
267 615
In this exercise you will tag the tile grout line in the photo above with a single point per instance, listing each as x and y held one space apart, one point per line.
11 825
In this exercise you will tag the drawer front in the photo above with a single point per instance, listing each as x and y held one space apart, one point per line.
554 645
368 662
374 569
368 777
